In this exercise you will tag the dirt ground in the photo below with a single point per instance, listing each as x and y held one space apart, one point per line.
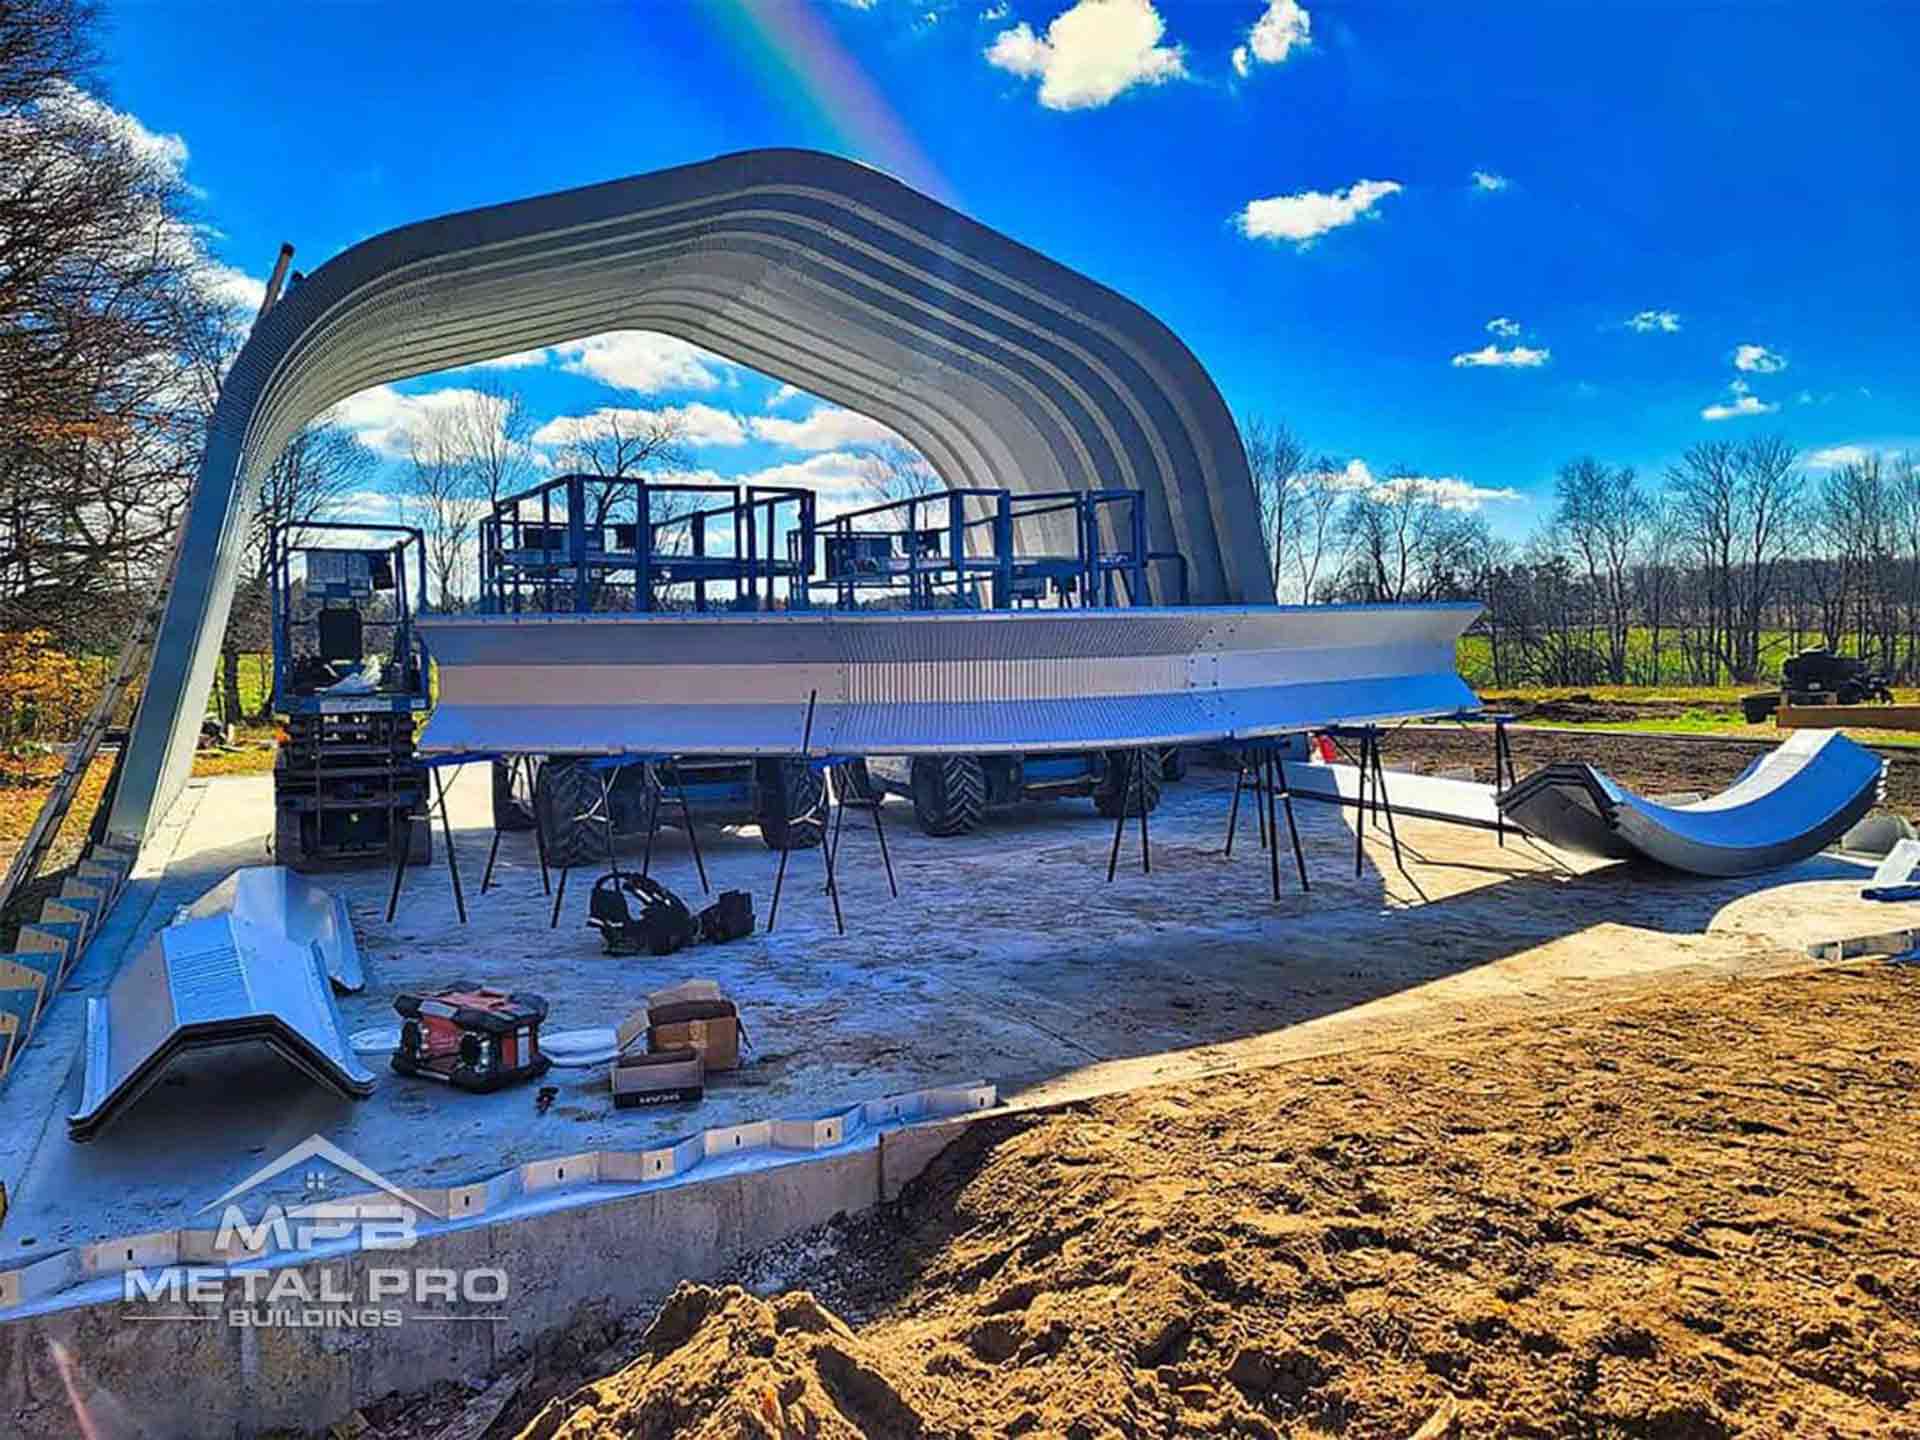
1687 1214
1651 764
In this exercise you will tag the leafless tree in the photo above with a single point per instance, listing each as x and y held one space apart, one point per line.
106 333
1274 456
1319 493
442 496
897 471
494 426
1601 512
1387 528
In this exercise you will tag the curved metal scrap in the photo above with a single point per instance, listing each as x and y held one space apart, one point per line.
1005 368
1791 803
952 681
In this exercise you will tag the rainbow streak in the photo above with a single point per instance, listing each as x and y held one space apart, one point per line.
787 42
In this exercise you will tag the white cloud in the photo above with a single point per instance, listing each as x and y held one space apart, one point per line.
1833 457
385 419
1758 359
1091 53
1283 27
836 472
232 286
1648 321
1503 327
1520 357
997 12
518 360
1487 182
1450 492
1744 403
783 395
1304 217
697 424
825 427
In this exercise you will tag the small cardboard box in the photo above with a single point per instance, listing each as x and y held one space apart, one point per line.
662 1077
692 1014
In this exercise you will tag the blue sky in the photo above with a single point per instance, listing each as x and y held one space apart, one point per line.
1420 234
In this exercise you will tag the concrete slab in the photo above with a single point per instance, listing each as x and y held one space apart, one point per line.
1007 958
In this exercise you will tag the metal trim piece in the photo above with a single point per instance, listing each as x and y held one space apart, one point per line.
205 985
284 902
953 681
1007 369
1791 803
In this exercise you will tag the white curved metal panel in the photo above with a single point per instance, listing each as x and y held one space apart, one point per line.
1008 369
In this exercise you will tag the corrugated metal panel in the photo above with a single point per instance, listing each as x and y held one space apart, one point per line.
957 681
286 903
1793 802
1005 368
203 985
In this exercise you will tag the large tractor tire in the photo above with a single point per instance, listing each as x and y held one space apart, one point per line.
513 794
793 805
851 782
569 804
949 793
1128 784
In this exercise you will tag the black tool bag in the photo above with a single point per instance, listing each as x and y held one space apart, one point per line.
636 914
728 918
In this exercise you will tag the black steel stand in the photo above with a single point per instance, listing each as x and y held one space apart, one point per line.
1136 779
437 791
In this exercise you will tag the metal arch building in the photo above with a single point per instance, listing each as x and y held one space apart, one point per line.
1006 368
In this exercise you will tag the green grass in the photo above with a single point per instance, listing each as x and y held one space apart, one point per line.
1475 658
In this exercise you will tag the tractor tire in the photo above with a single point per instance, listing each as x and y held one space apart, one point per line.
512 796
1173 764
949 793
851 782
1122 785
570 807
793 805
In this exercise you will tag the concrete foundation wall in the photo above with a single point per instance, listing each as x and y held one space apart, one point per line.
94 1368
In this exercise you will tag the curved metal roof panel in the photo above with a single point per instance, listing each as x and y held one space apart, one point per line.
1006 368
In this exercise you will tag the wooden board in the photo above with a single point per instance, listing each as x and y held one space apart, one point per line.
1855 717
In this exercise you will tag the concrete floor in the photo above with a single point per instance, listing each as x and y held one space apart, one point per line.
1007 958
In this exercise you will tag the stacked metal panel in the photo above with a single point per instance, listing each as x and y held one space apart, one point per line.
953 681
1791 803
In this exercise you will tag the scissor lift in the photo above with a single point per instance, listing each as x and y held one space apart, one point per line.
349 676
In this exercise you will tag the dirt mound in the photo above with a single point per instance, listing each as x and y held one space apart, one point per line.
721 1363
1688 1215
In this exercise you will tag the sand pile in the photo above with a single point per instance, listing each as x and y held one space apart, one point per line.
721 1363
1690 1215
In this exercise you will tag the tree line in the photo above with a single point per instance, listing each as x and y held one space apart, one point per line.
1734 557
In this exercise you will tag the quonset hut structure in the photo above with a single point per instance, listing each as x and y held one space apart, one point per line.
1005 368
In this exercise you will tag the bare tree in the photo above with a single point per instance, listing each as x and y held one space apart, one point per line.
494 426
1319 492
1737 506
1387 528
443 497
1274 457
106 330
1601 512
897 471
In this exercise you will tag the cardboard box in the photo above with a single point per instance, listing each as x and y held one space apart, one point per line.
663 1077
693 1014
